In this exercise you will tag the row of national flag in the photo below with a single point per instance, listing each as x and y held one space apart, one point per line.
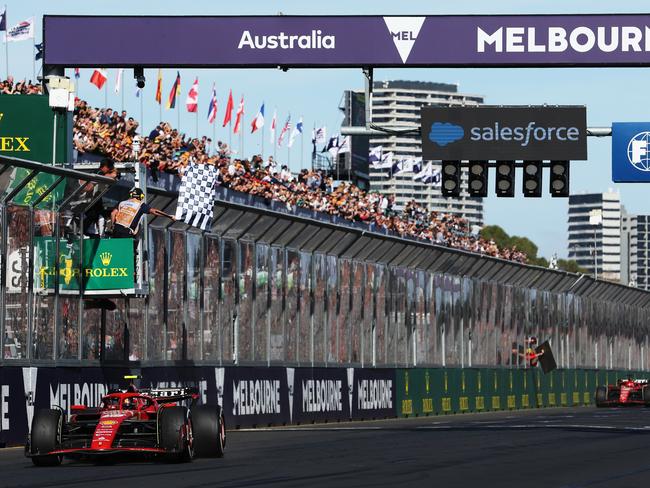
380 160
100 76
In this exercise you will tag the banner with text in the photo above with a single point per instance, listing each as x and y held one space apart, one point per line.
504 133
363 41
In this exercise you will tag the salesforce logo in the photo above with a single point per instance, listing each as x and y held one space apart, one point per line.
443 133
637 151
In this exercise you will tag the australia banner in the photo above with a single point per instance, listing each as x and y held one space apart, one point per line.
347 41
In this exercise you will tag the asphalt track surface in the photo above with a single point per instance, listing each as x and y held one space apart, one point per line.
568 448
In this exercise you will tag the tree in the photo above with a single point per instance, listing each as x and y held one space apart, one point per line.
570 265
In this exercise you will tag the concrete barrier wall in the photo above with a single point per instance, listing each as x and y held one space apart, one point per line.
261 396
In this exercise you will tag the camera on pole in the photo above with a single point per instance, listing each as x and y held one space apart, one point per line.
504 185
559 179
451 178
532 185
478 178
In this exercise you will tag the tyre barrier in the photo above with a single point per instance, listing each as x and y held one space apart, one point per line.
265 396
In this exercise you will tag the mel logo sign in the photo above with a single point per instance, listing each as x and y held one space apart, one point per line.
404 31
631 152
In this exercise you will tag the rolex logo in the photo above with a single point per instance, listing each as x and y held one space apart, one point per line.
106 258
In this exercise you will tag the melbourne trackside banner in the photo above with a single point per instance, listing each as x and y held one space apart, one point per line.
253 396
271 41
319 394
372 393
495 132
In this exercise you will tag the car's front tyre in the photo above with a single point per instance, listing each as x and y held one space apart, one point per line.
46 437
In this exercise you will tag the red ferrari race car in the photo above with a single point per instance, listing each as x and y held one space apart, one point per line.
625 392
162 423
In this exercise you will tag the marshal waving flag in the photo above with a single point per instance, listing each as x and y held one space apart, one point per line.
274 121
212 109
285 129
98 78
175 91
20 32
258 121
192 101
196 195
240 114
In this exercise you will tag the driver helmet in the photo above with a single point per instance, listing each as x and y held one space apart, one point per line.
136 193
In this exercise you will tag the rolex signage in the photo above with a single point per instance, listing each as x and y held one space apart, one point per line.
27 129
107 265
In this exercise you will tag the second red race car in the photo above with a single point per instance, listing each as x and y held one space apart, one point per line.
163 423
626 391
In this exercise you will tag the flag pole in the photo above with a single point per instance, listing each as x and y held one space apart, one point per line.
34 57
106 94
122 89
197 122
6 43
178 113
302 148
142 113
213 146
262 150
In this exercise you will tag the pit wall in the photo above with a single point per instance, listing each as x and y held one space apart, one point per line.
262 396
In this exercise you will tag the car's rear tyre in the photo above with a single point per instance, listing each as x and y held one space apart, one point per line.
601 396
209 431
175 434
46 435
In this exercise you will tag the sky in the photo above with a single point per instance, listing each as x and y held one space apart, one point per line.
610 94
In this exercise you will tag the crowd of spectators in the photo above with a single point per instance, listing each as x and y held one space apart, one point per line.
10 87
165 149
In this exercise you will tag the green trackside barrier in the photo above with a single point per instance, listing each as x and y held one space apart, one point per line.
442 391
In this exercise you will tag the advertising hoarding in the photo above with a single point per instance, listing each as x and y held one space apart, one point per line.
504 133
340 41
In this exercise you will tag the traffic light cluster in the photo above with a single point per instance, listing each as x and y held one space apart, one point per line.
477 178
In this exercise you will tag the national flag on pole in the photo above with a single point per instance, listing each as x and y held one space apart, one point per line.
375 156
338 145
3 20
118 82
39 51
296 130
212 109
228 117
285 129
159 87
20 32
273 125
240 113
77 74
319 136
258 121
175 91
98 78
192 100
196 195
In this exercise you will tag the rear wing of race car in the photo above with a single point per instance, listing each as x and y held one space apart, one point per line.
172 395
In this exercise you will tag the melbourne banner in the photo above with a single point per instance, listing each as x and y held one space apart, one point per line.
510 133
631 152
271 41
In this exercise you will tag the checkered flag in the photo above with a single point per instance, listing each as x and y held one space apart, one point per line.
196 195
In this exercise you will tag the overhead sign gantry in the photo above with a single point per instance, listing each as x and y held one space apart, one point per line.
347 41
